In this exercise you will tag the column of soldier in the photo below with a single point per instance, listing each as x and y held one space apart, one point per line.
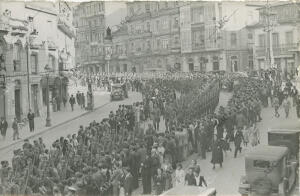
108 155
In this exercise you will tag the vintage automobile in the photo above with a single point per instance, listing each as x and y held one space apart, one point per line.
269 171
190 191
287 134
117 92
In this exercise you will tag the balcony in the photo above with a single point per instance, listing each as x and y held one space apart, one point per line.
4 24
283 49
65 26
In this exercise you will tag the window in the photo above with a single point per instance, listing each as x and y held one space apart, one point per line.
250 36
157 25
34 63
147 6
148 45
165 24
176 40
262 40
275 39
261 164
131 11
52 62
198 39
158 43
17 57
148 26
233 40
176 22
100 9
165 43
166 4
197 15
289 37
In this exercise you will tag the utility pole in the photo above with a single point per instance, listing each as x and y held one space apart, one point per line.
268 28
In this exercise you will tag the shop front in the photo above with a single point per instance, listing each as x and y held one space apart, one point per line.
58 91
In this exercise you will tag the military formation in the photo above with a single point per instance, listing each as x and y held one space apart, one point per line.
112 156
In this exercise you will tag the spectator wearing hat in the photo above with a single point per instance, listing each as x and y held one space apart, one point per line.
15 128
159 181
127 182
3 127
30 117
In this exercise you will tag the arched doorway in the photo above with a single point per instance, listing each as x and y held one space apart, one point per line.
216 64
191 64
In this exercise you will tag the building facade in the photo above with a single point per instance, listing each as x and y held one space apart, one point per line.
89 21
31 37
284 25
186 36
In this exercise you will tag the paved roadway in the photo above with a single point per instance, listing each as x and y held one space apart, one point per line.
225 180
72 127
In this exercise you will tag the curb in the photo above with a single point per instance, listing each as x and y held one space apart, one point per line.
53 127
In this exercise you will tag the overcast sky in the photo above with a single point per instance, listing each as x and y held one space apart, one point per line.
111 6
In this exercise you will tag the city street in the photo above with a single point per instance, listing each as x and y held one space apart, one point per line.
225 180
50 135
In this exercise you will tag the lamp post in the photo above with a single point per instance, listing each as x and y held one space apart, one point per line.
48 119
3 86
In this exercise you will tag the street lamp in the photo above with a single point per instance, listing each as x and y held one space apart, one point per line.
48 119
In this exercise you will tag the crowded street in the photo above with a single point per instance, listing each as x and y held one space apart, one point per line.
163 98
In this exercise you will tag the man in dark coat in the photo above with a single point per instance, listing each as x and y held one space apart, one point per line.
72 102
146 175
3 127
128 181
238 138
30 117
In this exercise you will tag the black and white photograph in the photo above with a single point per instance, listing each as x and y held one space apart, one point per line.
153 98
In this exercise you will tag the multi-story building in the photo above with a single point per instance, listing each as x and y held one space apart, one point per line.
152 40
187 36
212 35
89 21
283 21
32 36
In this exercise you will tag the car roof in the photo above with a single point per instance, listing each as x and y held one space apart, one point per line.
294 125
271 153
284 131
188 190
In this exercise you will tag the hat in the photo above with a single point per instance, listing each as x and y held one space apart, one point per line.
72 188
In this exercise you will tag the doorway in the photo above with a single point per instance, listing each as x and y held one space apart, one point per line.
18 104
34 99
191 65
216 66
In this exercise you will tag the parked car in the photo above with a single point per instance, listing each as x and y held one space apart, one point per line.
269 171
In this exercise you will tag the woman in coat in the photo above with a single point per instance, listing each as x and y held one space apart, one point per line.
159 182
179 175
217 153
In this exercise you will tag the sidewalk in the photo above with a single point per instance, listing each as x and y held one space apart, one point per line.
101 98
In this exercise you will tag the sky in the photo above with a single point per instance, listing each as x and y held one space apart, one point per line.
111 6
